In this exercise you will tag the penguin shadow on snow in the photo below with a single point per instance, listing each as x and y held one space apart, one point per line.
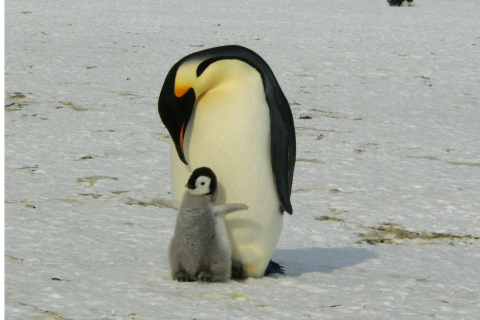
299 261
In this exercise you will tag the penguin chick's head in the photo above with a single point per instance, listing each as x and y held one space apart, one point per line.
202 182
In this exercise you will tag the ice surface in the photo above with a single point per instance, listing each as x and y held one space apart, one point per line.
388 149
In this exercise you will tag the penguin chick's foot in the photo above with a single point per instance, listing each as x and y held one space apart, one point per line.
183 277
238 272
204 277
274 267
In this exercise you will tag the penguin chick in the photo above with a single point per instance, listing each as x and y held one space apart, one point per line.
200 248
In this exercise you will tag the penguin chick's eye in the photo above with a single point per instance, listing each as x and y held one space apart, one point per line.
203 182
202 186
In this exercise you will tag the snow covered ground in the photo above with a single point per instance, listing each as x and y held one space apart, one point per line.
386 221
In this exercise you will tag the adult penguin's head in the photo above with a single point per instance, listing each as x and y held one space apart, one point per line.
190 78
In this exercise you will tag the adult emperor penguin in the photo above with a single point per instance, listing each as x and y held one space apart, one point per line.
224 109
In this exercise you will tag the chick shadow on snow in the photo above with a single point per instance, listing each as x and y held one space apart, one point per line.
299 261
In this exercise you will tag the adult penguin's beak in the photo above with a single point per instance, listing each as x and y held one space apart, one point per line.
175 106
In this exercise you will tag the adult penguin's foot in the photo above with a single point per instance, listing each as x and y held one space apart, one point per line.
238 272
274 267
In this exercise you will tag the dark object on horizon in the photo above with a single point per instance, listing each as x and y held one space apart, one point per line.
400 3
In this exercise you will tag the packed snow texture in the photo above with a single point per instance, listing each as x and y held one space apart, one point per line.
386 221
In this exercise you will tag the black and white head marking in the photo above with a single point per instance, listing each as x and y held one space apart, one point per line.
202 182
201 187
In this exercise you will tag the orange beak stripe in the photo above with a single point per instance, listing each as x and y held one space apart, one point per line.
181 136
180 90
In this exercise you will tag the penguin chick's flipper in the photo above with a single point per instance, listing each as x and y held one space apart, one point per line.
167 203
228 208
274 267
238 272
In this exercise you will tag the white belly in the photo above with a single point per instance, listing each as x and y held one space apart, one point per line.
229 131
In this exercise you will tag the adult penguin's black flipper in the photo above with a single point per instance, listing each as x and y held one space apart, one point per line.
283 146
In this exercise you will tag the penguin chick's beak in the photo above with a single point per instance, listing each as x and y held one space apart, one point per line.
190 185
